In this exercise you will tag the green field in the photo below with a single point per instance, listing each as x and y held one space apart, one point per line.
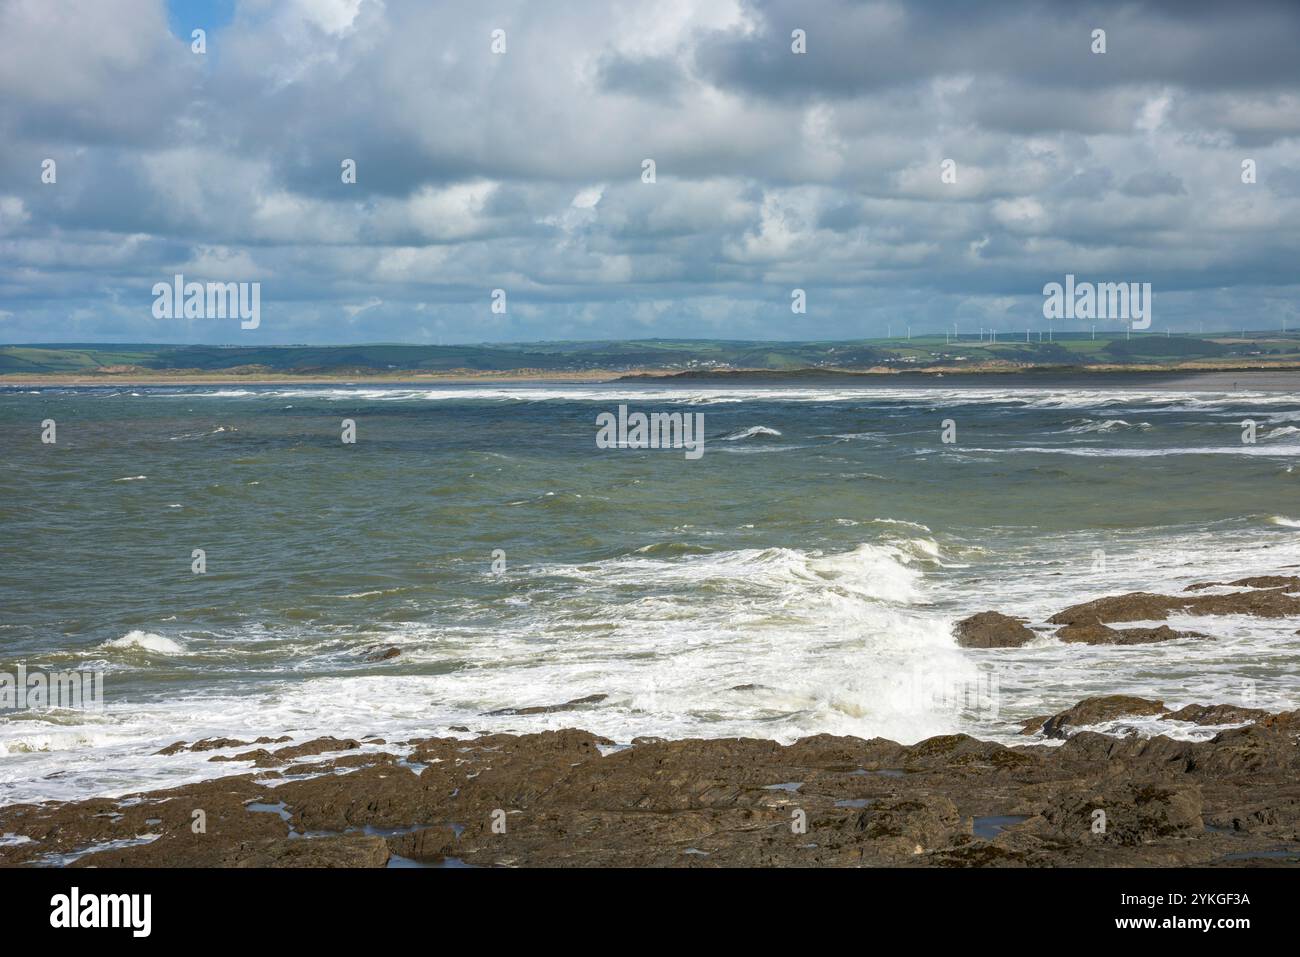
919 352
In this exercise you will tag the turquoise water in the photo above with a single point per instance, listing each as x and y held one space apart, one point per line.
801 576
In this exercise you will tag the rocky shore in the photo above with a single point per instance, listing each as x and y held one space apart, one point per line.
570 798
1069 796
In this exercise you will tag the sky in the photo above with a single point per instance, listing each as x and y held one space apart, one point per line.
522 169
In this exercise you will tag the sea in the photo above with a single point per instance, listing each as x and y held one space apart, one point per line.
232 567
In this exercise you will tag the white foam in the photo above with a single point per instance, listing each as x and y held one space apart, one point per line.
1270 451
835 641
1282 432
750 433
1106 426
146 641
1040 398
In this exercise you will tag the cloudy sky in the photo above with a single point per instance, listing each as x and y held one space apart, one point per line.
522 170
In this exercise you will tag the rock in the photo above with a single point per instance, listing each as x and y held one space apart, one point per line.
1215 714
1254 749
383 654
991 629
1133 813
572 801
1284 721
1268 603
1145 606
1285 582
264 758
213 744
1099 634
1034 725
910 826
548 709
427 844
1098 710
1136 606
317 746
344 850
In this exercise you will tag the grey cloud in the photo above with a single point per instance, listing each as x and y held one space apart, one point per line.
523 170
1154 183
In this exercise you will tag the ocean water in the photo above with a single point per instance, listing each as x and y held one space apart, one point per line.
801 577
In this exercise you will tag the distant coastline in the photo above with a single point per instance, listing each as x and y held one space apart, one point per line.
1277 378
917 359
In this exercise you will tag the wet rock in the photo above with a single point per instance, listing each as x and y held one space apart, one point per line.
346 850
213 744
1269 603
384 654
1099 634
263 758
1097 710
1034 725
1284 721
1145 606
911 826
980 854
548 709
1215 714
428 844
951 751
1136 606
317 746
991 629
1253 749
1131 814
568 799
1285 582
1282 810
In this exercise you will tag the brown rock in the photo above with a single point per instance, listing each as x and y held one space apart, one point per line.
1133 813
911 826
550 708
1097 710
991 629
213 744
571 801
1215 714
1267 603
1285 582
1145 606
344 850
1099 634
1034 725
1136 606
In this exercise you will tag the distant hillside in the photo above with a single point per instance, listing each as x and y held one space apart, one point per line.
653 355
